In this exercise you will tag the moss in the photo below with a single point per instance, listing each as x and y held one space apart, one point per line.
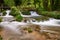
29 30
26 13
0 19
18 18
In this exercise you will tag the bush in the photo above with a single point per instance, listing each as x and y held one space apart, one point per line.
14 11
16 14
18 18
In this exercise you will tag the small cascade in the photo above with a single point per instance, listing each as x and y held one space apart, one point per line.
8 17
8 11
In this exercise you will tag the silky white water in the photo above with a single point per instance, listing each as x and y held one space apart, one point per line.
8 17
14 26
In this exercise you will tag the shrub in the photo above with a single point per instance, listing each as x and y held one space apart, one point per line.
51 14
29 30
18 18
16 14
14 11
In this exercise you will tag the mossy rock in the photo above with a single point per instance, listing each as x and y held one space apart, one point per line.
26 13
19 18
4 12
30 30
0 19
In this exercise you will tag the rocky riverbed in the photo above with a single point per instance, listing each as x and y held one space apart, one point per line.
29 32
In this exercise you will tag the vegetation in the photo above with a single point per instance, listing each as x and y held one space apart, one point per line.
9 2
18 18
1 38
0 19
26 13
28 29
48 5
14 11
42 6
52 14
4 12
16 14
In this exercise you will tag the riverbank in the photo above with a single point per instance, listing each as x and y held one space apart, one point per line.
29 32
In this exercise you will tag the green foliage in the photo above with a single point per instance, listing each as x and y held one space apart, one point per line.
42 6
18 18
46 4
26 13
10 3
18 2
4 13
40 9
51 14
0 19
16 14
14 11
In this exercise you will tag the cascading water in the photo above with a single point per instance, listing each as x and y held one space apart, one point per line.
52 24
7 17
8 11
13 26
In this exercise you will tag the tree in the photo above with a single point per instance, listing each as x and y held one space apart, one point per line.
9 2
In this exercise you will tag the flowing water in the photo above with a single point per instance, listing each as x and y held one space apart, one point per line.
49 25
7 17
